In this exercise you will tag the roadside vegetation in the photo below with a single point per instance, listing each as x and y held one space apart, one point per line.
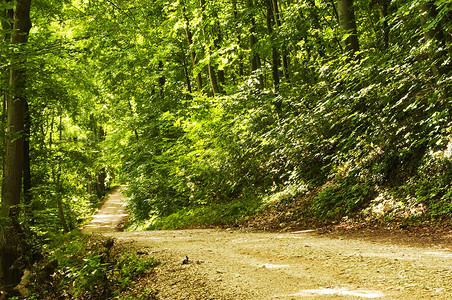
76 266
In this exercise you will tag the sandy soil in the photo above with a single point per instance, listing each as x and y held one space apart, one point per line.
235 264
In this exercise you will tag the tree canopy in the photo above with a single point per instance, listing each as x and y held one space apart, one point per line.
209 110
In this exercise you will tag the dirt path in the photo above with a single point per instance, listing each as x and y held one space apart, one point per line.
110 216
231 264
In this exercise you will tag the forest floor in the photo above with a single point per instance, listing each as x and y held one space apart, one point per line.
306 264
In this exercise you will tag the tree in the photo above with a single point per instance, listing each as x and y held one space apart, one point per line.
14 156
189 37
275 55
347 24
254 55
212 74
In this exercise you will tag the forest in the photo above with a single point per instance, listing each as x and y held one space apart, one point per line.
212 111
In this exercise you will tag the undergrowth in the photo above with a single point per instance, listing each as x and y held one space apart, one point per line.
76 266
217 214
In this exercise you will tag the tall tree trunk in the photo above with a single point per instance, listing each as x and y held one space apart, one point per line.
254 56
384 15
212 75
217 44
241 67
347 24
7 26
14 157
189 37
59 184
27 165
275 55
285 55
12 181
187 77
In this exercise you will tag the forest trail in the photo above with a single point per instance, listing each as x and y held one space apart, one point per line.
234 264
110 216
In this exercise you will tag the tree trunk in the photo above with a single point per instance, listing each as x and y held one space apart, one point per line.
285 55
189 37
100 183
275 55
347 24
212 75
384 16
14 157
7 26
61 213
254 57
221 73
186 73
241 68
27 165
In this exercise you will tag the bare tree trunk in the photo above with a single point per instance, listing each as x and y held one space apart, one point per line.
254 57
347 24
221 73
27 185
285 55
275 55
7 26
186 73
212 75
14 157
61 214
59 185
241 68
189 37
100 183
383 16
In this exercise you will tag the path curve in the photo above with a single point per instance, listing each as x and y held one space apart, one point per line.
232 264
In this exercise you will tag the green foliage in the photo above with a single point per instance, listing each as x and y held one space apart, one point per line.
344 198
432 185
87 267
120 102
203 215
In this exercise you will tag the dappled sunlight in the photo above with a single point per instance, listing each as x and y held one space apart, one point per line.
273 266
335 291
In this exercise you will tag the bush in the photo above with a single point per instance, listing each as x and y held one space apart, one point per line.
87 267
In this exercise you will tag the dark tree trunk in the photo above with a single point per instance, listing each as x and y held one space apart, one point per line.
285 55
254 56
275 55
186 72
347 24
384 15
27 165
221 73
14 156
100 182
